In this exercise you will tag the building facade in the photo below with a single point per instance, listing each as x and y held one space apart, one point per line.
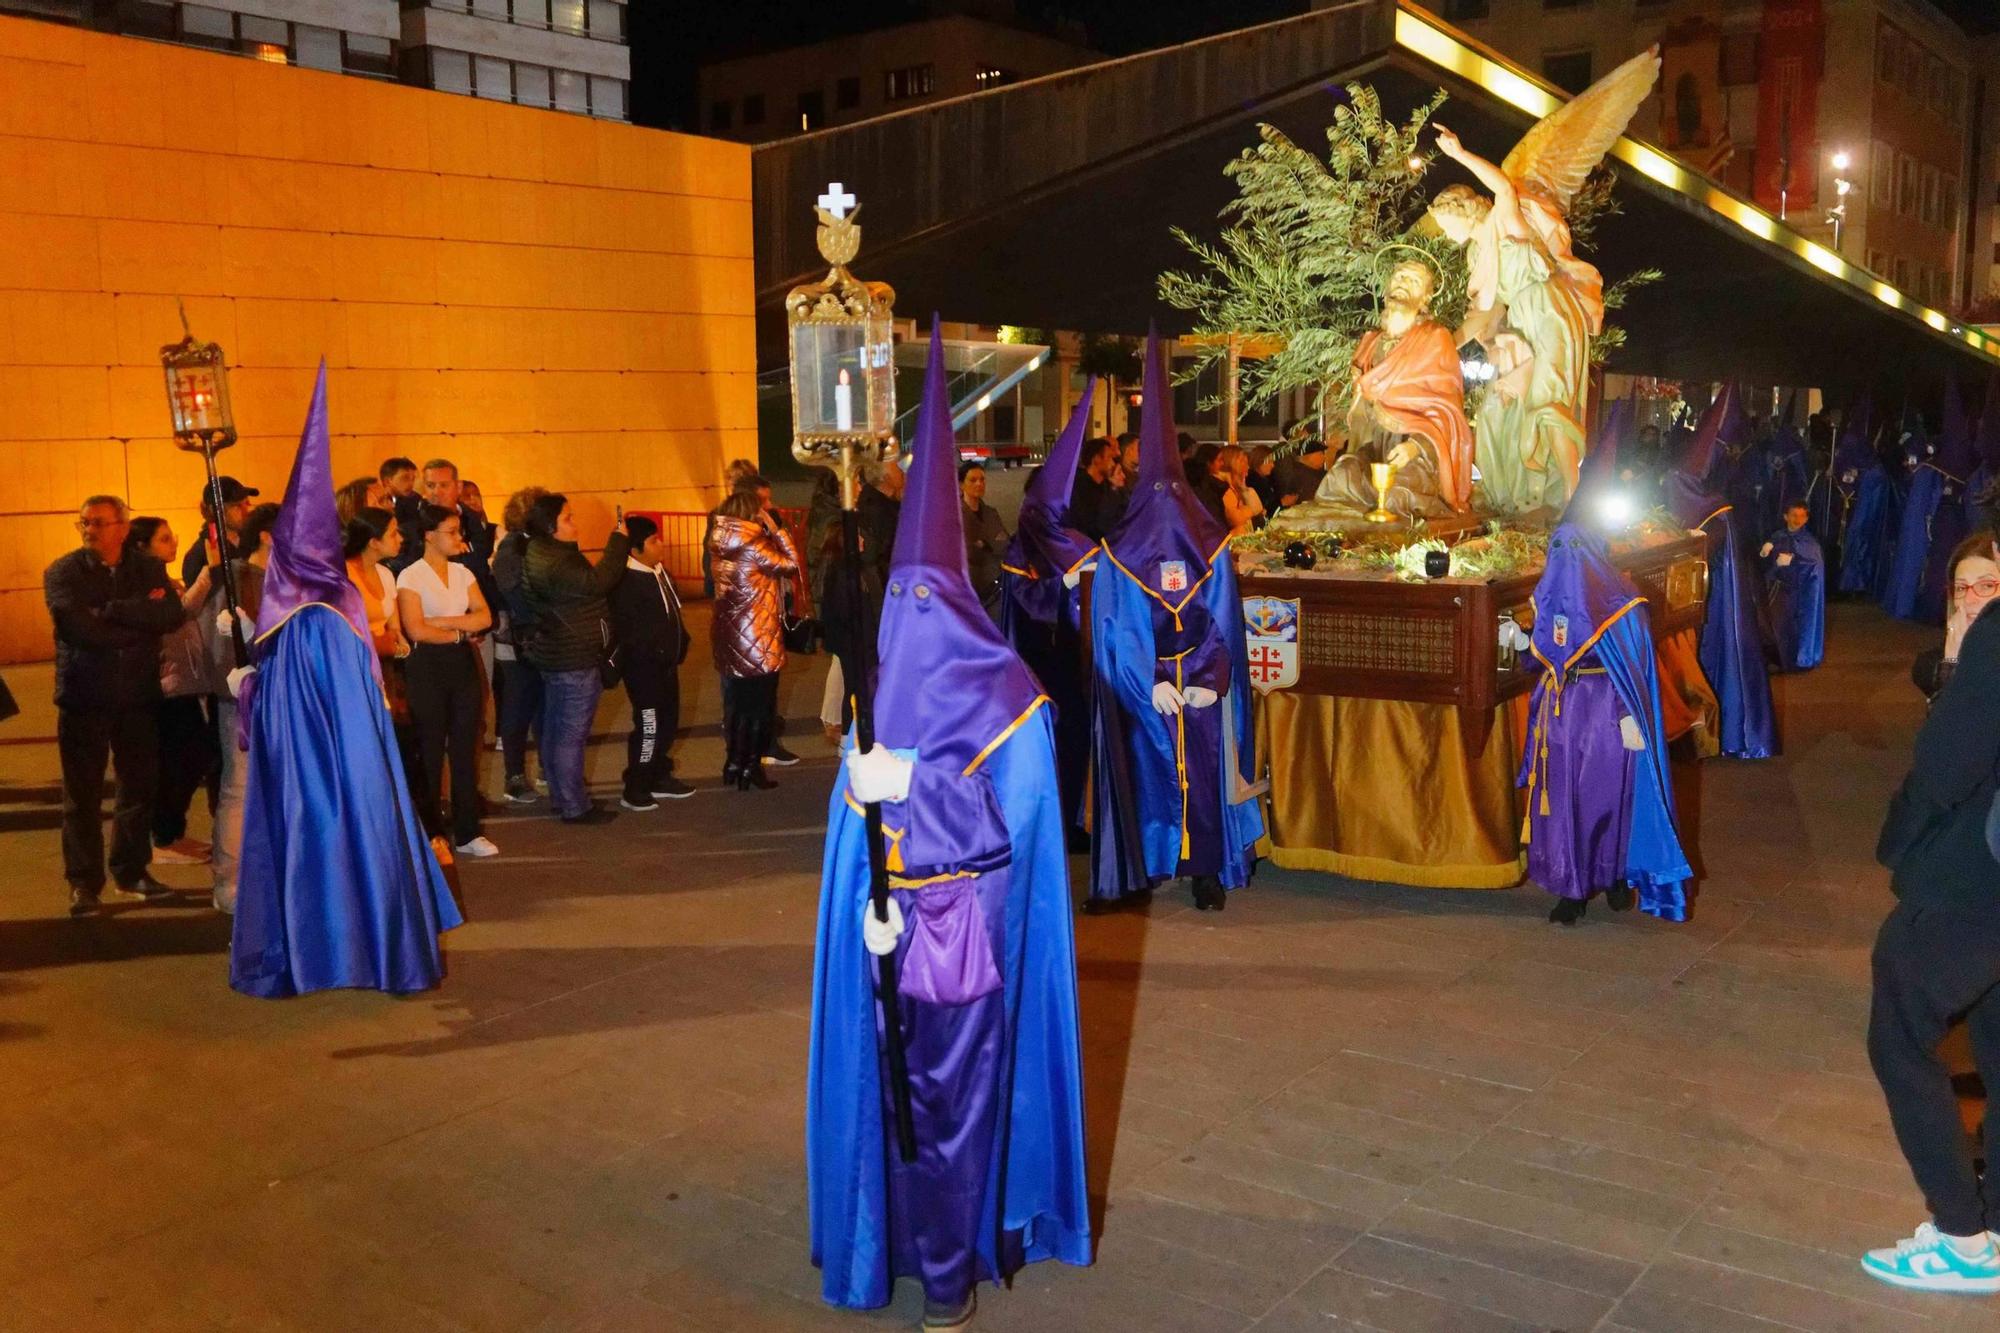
569 55
1784 100
837 82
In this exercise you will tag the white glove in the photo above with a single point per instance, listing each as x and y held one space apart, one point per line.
1513 636
1075 576
1765 551
224 621
1784 559
238 677
878 775
1167 699
1197 696
1629 734
879 937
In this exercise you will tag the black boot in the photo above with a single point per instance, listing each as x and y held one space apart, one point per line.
1567 911
1619 899
1209 895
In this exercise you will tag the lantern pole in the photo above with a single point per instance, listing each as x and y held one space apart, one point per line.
198 400
833 320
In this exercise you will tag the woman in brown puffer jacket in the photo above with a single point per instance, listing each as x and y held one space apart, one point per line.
752 558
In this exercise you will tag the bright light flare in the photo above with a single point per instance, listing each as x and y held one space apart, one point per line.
1616 510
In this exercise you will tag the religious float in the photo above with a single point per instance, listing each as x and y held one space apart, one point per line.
1386 616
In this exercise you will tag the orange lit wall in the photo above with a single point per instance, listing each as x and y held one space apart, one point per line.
543 298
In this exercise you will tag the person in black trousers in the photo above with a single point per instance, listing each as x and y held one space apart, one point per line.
652 644
442 611
110 607
1937 959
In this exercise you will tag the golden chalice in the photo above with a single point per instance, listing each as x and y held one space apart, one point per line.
1382 475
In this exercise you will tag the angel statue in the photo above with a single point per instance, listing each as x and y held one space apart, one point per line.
1534 306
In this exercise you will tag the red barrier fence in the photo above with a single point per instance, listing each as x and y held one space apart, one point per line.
687 533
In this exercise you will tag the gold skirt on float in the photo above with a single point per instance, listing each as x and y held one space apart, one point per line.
1376 789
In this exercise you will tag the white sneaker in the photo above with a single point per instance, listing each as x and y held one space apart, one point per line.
1928 1261
478 848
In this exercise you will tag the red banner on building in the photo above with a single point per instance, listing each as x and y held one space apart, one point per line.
1791 62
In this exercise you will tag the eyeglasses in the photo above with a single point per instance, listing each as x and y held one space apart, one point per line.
1981 588
92 524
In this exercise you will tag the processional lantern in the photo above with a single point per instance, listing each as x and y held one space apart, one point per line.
204 423
844 417
843 351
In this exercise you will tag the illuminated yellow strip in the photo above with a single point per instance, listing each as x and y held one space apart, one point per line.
1420 34
1001 739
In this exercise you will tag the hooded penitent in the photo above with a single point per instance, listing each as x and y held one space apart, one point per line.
986 965
1732 641
1865 501
1600 815
337 885
1168 790
1984 490
1955 462
1042 604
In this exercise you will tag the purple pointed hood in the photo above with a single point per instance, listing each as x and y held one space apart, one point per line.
1852 453
1958 447
1614 436
1166 528
949 684
1580 590
1692 491
308 563
1044 543
1785 441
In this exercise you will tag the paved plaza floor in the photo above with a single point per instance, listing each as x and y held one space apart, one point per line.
1335 1105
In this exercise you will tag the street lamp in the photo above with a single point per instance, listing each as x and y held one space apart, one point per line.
844 417
198 399
1841 160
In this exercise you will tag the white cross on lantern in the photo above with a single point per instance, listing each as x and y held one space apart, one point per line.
837 200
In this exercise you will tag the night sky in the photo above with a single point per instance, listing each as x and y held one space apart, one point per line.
669 42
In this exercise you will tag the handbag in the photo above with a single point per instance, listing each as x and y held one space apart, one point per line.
801 633
609 669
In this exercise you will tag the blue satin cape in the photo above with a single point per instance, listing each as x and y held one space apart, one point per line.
1137 804
337 885
1732 647
1796 597
1902 591
1870 531
1036 1202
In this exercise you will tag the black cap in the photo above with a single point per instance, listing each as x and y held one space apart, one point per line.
233 492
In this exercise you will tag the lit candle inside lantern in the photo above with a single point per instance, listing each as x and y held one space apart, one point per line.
843 403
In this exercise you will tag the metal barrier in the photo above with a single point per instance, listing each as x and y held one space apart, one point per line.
686 535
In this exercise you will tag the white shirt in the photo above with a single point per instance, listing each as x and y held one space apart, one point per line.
450 596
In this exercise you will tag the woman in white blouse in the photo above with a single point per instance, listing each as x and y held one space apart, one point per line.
443 611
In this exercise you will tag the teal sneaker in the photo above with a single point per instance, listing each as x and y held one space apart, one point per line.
1929 1262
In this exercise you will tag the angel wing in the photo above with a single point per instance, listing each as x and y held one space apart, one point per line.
1566 145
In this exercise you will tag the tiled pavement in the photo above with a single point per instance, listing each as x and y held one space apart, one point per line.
1333 1106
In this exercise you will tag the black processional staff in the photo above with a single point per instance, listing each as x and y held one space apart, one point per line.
198 398
843 339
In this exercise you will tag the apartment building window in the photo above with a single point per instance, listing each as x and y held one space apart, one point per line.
316 48
493 9
1948 202
847 93
147 18
531 85
1996 252
1466 10
571 90
607 98
1906 185
451 71
719 114
1881 174
911 81
213 28
492 79
369 55
607 20
1888 53
992 76
1568 70
812 109
1913 70
569 16
1901 272
1739 60
1933 196
753 109
1878 265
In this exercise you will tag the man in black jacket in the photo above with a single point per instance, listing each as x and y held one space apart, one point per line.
1937 958
110 608
236 498
652 644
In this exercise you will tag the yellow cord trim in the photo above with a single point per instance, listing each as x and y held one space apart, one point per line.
1537 771
1001 739
898 882
1717 514
1024 573
1173 608
1180 756
307 606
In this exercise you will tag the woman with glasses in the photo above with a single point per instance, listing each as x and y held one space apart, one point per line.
442 612
1975 581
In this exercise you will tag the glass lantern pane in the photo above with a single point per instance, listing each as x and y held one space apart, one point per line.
822 354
